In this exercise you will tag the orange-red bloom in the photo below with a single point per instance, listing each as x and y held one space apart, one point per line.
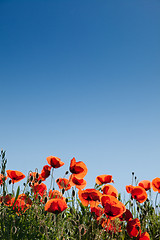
139 193
156 184
112 207
126 216
16 176
2 178
55 162
144 236
39 189
45 172
55 194
129 188
6 199
98 211
89 196
101 179
108 189
55 205
78 168
133 227
79 183
146 184
64 183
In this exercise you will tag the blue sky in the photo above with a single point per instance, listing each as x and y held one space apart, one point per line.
81 79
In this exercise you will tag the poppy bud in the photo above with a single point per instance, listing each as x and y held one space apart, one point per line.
31 178
40 181
53 188
37 175
66 172
71 210
30 184
45 199
66 200
62 215
73 193
57 180
132 173
63 190
10 181
24 184
39 197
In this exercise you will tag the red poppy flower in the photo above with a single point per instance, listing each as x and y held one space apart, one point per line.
89 196
55 205
6 199
45 173
25 198
101 179
110 190
112 207
39 189
144 236
133 227
156 184
55 194
64 183
139 193
16 176
19 205
98 211
79 183
146 184
78 168
2 178
129 188
126 216
55 162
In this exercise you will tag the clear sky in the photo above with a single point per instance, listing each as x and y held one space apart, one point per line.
81 79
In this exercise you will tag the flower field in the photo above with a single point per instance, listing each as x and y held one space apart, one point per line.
69 210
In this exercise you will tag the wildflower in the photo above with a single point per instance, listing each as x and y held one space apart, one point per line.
55 162
89 196
133 227
146 184
55 194
79 183
110 190
101 179
79 169
55 205
129 188
139 194
16 176
64 183
39 189
126 216
113 208
144 236
156 184
45 172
